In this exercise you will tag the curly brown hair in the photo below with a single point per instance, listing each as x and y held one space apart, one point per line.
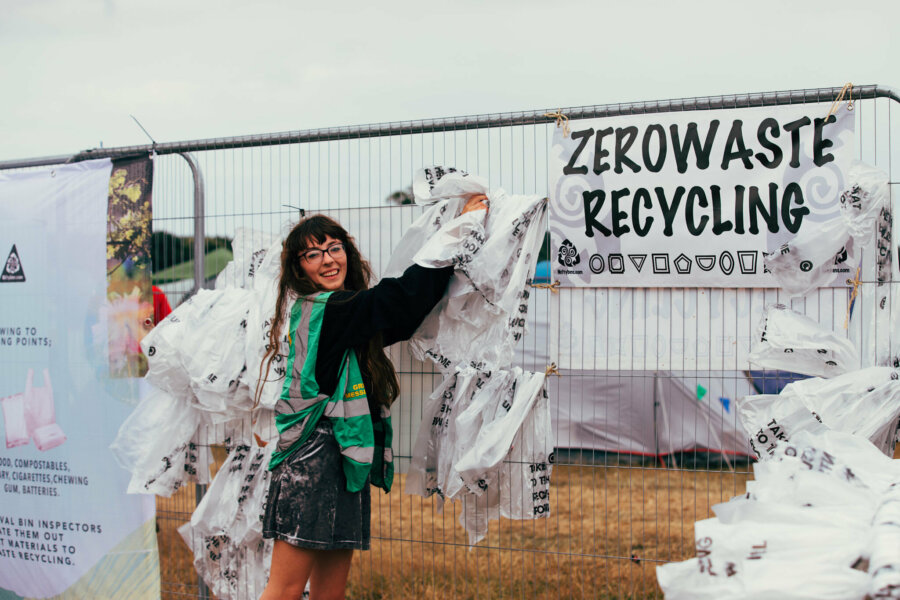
377 369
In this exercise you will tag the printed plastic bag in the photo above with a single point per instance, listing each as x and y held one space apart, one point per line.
526 470
483 314
769 419
422 479
225 530
259 323
801 580
437 182
864 402
877 308
249 248
809 260
793 342
496 436
884 560
153 443
231 571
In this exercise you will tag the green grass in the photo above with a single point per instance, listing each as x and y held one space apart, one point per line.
215 262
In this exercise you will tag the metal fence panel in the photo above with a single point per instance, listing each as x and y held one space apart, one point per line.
618 507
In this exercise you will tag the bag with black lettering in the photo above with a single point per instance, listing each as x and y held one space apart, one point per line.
214 354
793 342
422 479
769 419
483 313
435 182
864 402
153 443
496 435
249 248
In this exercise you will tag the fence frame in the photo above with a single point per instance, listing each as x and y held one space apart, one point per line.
474 122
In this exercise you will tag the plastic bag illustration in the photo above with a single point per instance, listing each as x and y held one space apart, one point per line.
14 420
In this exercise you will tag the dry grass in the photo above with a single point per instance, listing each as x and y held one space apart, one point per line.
601 516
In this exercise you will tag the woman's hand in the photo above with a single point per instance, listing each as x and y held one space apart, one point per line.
476 202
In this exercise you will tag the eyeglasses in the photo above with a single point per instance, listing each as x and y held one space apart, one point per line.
316 255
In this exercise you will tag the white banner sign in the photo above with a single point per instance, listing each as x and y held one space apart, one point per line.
67 528
693 199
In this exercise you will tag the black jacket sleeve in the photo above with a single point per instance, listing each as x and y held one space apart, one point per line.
395 308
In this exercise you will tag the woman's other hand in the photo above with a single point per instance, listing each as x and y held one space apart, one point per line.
476 202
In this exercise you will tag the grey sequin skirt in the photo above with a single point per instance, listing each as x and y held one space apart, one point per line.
309 505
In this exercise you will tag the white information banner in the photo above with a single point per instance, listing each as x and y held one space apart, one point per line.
67 528
693 199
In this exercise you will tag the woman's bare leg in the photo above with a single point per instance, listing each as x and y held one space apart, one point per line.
328 580
290 570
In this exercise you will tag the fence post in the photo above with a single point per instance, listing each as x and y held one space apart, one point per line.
199 223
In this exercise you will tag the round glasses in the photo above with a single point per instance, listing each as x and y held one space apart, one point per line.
316 255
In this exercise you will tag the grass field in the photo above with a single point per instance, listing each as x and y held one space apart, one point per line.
601 516
215 262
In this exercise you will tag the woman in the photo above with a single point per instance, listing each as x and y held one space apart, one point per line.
333 434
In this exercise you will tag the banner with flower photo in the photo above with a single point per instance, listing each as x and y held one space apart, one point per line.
67 527
128 265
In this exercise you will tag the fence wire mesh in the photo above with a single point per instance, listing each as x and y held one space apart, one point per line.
621 504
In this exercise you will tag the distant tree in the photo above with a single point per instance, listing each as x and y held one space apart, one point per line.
404 196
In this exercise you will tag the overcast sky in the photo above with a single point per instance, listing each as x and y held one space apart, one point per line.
73 71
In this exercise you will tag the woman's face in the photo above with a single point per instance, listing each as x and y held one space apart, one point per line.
325 264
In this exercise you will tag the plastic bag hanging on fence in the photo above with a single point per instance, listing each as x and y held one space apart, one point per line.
525 472
435 182
230 571
422 479
807 262
496 436
483 314
790 341
249 248
877 306
259 323
769 419
153 443
864 402
225 531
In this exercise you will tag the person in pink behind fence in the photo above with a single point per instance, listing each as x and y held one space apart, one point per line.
332 416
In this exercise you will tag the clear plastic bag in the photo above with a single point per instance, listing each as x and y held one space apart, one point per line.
225 530
154 441
496 435
790 341
435 182
483 314
770 419
864 402
807 261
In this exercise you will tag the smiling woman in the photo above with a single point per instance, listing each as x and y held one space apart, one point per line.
333 415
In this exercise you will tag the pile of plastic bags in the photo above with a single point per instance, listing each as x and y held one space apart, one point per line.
485 437
821 519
